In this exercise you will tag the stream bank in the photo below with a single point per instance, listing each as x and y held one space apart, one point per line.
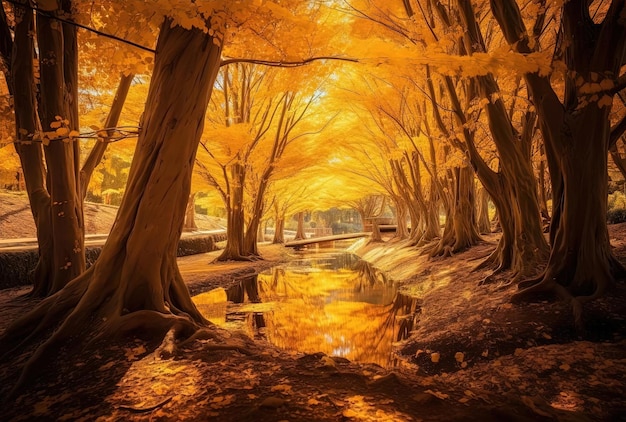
229 377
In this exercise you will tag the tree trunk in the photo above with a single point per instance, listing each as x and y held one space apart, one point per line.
402 231
375 236
461 232
432 226
65 246
254 225
190 214
543 194
235 224
59 221
581 262
98 150
576 133
300 230
484 225
279 227
31 153
135 283
260 235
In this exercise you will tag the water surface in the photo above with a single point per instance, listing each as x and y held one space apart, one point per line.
321 302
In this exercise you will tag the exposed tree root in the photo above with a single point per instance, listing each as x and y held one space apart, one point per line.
240 344
495 260
147 408
491 278
231 257
552 283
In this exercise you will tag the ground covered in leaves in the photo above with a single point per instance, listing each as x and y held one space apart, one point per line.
471 356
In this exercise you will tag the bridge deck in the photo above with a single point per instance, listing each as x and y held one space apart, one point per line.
321 239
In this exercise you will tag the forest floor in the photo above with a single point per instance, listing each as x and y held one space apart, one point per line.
471 356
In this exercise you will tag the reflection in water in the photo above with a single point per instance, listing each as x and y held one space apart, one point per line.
331 303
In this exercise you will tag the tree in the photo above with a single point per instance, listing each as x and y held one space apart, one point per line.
265 114
136 283
46 136
576 133
522 246
54 191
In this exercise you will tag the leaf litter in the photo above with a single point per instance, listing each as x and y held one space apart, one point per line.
521 363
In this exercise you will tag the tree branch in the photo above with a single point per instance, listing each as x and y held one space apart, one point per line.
617 131
88 28
97 152
280 63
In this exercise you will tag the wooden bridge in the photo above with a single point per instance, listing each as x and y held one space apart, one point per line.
325 239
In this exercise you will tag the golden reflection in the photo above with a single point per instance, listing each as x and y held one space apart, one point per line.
312 308
212 305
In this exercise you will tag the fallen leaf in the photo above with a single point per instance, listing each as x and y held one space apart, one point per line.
349 413
285 388
437 394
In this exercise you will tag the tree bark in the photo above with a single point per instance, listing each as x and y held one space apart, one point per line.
135 283
513 190
300 229
576 135
57 188
460 232
235 224
190 214
65 245
279 227
484 225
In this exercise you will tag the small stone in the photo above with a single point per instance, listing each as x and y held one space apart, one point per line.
273 402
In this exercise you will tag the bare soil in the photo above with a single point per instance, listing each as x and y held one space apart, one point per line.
471 356
16 220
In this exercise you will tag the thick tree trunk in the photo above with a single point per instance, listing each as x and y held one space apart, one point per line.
135 283
484 225
260 233
31 153
461 232
235 224
581 263
514 185
279 227
55 205
254 225
402 230
300 229
375 236
576 135
432 226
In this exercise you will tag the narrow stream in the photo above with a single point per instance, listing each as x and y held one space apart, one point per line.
329 302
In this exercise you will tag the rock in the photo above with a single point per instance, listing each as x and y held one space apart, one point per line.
272 402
